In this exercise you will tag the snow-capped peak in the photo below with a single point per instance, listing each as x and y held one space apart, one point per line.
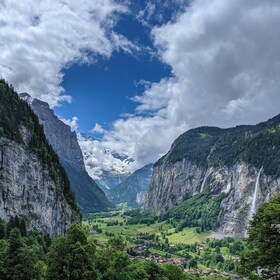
105 166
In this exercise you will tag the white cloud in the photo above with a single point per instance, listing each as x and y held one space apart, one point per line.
99 159
225 59
40 38
98 129
73 123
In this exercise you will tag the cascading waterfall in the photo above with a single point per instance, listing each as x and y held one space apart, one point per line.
204 182
253 205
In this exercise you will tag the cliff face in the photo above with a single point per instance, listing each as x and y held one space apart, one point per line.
241 162
27 190
33 184
63 140
133 190
88 195
172 182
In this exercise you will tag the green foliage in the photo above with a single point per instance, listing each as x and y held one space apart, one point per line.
194 144
16 222
116 243
16 114
137 217
74 256
153 270
193 263
199 211
71 257
20 260
4 247
262 257
172 272
2 229
211 146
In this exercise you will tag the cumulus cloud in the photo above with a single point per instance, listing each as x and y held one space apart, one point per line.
38 39
224 57
98 129
99 158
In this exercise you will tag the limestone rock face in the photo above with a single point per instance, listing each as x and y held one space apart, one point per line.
172 182
28 191
238 164
64 141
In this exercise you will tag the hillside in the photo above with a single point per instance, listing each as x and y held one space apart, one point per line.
132 191
212 146
64 141
33 183
240 163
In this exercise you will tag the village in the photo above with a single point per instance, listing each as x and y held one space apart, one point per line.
142 252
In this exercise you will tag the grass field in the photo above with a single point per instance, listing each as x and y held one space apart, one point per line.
187 236
163 240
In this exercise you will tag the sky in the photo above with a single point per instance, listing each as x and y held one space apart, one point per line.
137 74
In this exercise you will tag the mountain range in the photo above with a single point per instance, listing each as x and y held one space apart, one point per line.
218 175
211 178
132 191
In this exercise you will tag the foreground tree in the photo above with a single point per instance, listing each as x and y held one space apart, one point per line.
261 261
72 257
173 272
20 260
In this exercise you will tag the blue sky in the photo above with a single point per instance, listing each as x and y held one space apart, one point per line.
102 92
205 62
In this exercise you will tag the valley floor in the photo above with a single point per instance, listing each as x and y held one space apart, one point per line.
160 241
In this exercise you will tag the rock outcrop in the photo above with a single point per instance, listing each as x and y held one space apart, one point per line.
64 141
28 191
33 184
241 162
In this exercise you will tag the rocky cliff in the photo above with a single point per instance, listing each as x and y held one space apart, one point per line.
33 185
64 141
133 189
240 163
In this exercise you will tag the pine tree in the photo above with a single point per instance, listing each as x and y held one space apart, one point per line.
72 257
2 229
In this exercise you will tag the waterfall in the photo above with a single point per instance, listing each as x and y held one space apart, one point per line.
204 182
253 205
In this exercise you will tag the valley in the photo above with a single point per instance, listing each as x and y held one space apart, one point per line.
210 184
161 242
139 140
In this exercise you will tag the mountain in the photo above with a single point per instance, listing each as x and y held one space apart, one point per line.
33 184
223 175
64 141
133 189
107 167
